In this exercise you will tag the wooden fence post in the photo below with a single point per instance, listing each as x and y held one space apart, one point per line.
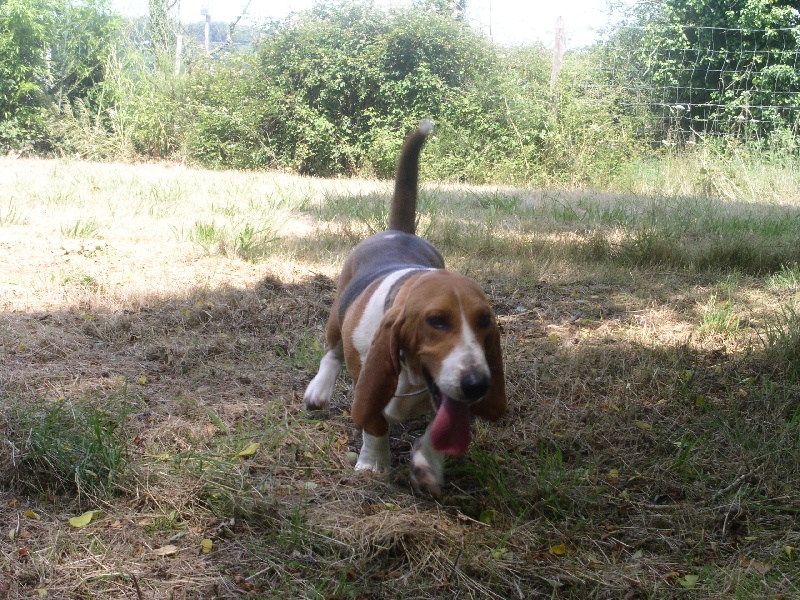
555 70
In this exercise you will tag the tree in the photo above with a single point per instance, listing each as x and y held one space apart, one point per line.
24 33
80 44
51 51
161 27
347 76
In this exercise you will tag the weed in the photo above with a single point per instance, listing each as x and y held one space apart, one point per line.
251 244
11 214
788 278
61 197
781 340
81 229
208 235
82 280
72 445
720 317
244 241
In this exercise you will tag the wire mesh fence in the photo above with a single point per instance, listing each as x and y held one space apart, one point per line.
683 82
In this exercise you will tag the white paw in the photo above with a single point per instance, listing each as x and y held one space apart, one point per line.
317 396
320 390
427 467
375 454
375 467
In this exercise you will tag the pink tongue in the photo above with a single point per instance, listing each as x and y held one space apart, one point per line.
450 430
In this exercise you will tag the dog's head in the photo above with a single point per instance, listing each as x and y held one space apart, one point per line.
442 328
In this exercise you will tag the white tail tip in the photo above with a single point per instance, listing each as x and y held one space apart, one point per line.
425 126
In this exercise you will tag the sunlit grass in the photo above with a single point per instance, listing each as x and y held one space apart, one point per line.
651 360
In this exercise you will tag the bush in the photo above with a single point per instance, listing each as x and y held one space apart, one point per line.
52 53
334 91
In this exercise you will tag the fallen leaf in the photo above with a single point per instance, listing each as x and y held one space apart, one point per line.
250 450
488 516
12 534
206 545
32 515
499 553
558 550
167 550
688 581
85 518
790 552
592 559
761 568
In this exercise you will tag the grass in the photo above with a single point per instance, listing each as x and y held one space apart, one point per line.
156 374
80 229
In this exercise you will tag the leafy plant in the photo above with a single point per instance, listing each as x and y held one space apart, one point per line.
81 229
11 215
67 445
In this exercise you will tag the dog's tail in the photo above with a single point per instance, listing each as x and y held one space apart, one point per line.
403 216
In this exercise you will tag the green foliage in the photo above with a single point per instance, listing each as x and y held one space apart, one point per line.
334 91
728 66
24 33
71 445
51 52
353 79
80 45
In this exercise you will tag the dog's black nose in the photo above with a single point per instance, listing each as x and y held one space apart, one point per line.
474 385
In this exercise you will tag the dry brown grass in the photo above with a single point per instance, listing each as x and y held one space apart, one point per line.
648 438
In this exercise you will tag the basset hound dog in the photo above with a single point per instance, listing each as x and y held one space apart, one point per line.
415 338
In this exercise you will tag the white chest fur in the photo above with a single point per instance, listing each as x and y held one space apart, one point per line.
373 313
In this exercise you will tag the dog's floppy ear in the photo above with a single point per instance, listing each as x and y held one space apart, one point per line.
377 381
493 405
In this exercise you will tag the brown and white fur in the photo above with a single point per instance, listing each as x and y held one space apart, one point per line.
415 338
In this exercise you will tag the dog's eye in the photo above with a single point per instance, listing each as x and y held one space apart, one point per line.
484 321
438 322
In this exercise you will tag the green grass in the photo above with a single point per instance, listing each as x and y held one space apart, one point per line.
81 229
11 214
244 240
788 277
651 346
73 446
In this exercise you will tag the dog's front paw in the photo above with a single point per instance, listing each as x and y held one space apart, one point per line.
375 454
316 398
427 468
375 466
320 390
425 481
